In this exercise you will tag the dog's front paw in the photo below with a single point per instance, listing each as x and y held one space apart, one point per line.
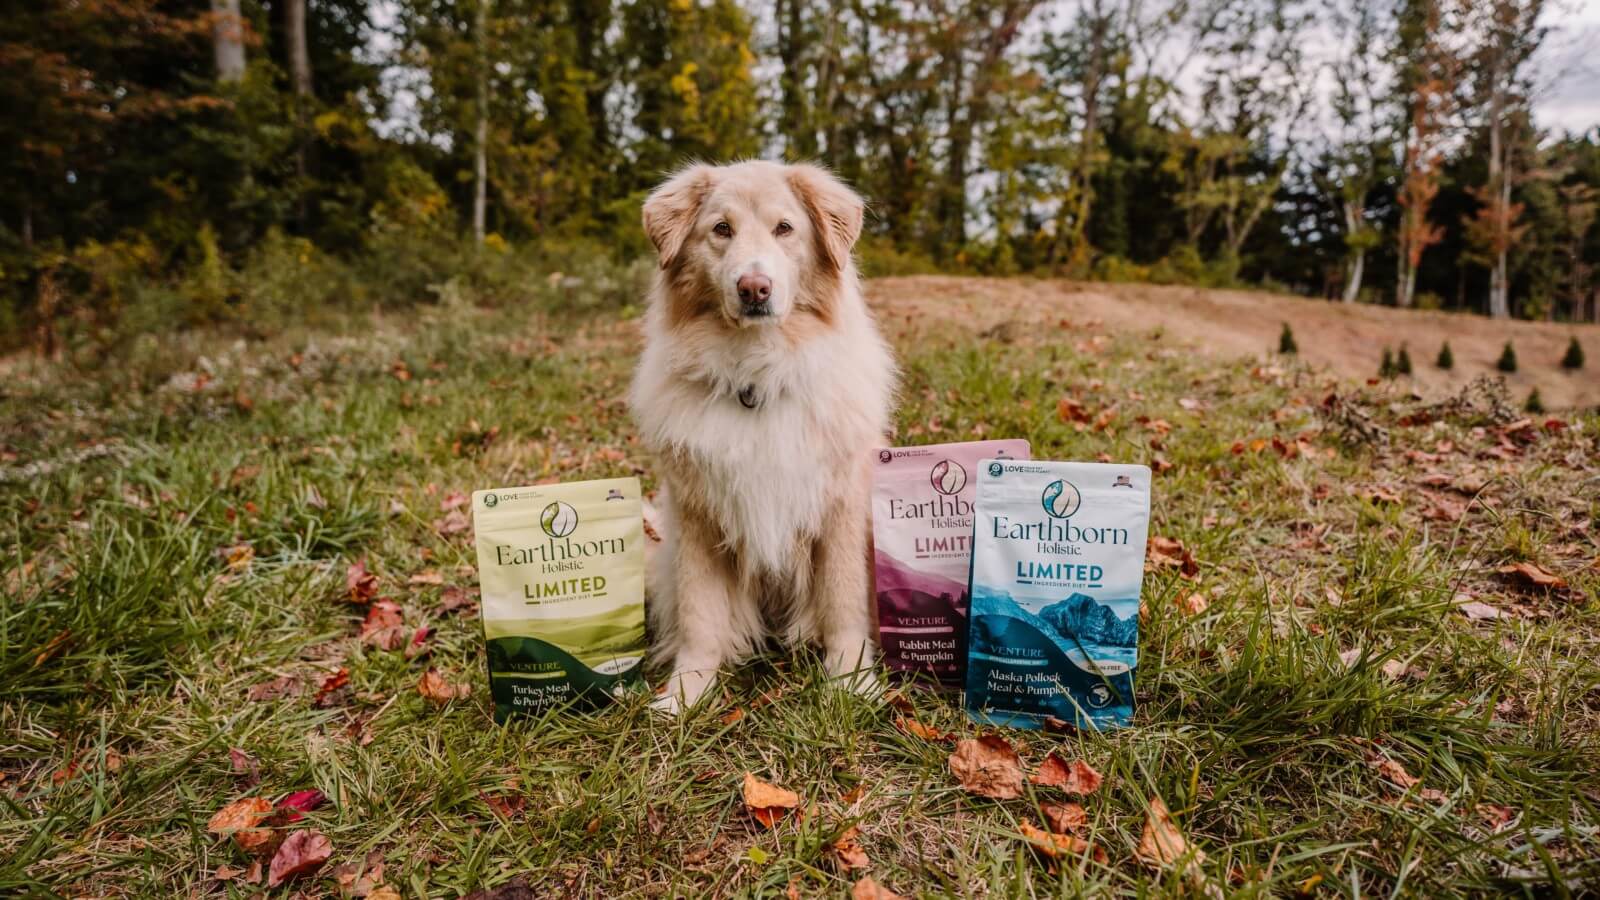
862 683
683 690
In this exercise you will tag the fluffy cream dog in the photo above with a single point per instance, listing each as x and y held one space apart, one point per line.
763 386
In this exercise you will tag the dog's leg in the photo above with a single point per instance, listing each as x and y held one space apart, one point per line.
708 623
839 597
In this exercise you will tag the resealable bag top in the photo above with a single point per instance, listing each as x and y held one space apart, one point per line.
922 541
1057 566
561 567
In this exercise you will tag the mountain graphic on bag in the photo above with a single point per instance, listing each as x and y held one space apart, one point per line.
1057 567
922 544
561 567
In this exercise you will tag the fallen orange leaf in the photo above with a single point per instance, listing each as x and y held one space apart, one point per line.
1076 777
302 853
917 729
1162 844
1065 818
1057 846
1533 575
767 803
848 850
988 767
867 889
242 820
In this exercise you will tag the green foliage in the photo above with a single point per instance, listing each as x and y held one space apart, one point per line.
1446 360
1573 358
1286 342
1386 367
1534 403
1402 363
1508 359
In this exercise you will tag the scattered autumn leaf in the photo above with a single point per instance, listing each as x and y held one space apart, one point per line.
867 889
455 598
1476 609
360 586
301 853
1395 772
1193 602
433 686
1170 553
1162 844
242 819
384 626
453 500
454 522
1533 575
1059 846
1076 777
245 766
911 726
276 689
298 802
1495 816
733 715
332 683
847 850
766 802
1064 818
988 767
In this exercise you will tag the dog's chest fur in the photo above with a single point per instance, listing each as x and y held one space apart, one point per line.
765 476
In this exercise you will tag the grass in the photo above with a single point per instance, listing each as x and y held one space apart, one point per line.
134 624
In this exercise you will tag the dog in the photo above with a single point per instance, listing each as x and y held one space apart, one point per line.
762 387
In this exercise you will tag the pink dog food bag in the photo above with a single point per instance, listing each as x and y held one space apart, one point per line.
922 548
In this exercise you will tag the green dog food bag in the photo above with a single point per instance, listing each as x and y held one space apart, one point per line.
561 567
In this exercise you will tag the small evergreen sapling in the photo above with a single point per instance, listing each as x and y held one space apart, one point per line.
1386 367
1535 404
1573 359
1287 346
1403 364
1446 360
1508 359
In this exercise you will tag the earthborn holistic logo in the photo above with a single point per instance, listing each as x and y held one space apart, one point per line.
490 501
558 519
948 477
995 469
1061 499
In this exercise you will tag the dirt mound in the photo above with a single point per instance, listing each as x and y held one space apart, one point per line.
1347 339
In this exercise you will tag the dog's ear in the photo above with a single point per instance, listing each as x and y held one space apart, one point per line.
670 210
836 211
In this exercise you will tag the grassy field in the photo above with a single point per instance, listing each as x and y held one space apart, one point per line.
1347 698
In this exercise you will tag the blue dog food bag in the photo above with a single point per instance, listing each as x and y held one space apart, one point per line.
1057 565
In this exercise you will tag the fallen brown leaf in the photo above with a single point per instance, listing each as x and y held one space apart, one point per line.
847 850
454 522
915 728
242 820
277 688
867 889
433 686
1533 575
360 586
302 853
1170 553
1394 771
1064 818
766 802
1162 844
1495 816
1059 846
733 715
1193 603
988 767
1076 777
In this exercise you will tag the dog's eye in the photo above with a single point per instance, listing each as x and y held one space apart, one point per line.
782 229
723 229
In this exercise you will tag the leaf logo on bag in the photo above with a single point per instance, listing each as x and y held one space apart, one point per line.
948 477
558 519
1061 499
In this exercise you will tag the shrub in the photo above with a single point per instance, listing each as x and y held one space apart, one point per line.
1534 404
1386 367
1574 357
1403 364
1446 360
1508 359
1286 342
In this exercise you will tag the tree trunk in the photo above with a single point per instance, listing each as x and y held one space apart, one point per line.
1352 283
480 168
1408 286
1499 195
1078 244
27 224
791 27
227 39
294 26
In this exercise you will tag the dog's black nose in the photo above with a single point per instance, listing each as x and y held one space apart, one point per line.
755 290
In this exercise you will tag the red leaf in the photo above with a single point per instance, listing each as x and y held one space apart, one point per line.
302 853
301 802
359 584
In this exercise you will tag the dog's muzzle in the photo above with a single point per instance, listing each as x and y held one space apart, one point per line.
755 295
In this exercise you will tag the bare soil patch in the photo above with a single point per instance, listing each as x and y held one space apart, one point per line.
1346 339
